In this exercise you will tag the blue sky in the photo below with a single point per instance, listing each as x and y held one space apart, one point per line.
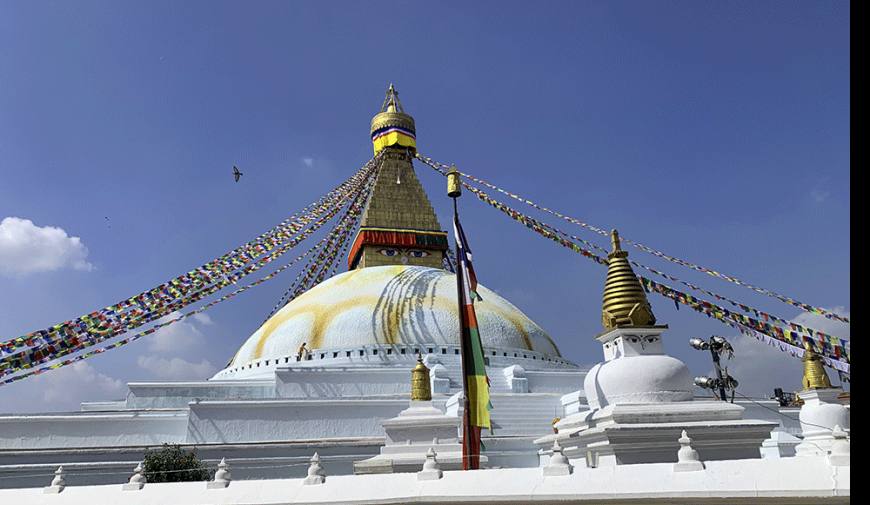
716 132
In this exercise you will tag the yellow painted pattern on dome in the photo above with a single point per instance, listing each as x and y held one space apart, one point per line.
513 319
325 313
282 316
404 293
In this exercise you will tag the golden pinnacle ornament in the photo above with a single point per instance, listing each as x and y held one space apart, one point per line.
420 388
454 186
815 376
625 302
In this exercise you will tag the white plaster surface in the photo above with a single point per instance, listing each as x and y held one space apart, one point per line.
260 421
819 415
341 382
759 481
636 370
88 429
417 430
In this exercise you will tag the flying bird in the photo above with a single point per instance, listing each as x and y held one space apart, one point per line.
236 174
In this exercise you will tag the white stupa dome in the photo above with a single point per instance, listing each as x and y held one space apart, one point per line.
653 378
388 305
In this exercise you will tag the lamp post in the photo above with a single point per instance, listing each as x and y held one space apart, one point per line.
716 345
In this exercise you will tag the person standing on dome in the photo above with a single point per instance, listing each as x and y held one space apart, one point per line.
303 352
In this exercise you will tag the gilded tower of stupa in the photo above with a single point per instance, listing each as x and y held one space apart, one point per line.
624 302
398 226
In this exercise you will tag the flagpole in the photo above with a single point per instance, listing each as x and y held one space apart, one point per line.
454 191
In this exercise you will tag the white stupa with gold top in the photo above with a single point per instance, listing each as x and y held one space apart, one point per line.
640 399
351 392
396 299
327 370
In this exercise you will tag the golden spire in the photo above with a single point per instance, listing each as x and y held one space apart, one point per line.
391 101
625 302
815 376
420 388
392 126
398 225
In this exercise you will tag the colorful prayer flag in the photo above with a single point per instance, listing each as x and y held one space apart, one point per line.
477 402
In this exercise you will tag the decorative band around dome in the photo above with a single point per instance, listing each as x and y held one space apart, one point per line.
391 135
392 126
422 239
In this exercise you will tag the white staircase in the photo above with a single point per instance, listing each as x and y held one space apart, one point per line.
522 415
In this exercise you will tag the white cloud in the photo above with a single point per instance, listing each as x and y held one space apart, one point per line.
760 368
309 162
176 368
61 390
203 318
172 344
178 337
831 326
26 248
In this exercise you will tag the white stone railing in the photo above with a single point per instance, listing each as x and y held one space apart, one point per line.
383 354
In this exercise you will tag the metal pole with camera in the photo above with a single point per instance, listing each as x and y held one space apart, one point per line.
716 345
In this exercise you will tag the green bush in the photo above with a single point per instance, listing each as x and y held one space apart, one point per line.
171 463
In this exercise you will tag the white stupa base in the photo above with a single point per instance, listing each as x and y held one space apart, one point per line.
648 433
779 445
820 413
574 402
410 435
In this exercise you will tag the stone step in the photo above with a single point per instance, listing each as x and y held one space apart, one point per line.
523 414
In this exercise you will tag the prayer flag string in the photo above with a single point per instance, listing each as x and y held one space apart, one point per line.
834 349
783 298
72 336
232 279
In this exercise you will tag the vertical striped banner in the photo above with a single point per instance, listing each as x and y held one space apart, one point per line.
475 381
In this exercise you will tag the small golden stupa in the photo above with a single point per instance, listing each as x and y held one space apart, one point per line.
625 303
815 376
420 387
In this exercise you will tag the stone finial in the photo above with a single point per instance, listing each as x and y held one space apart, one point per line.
840 454
57 483
431 468
687 458
222 476
558 464
316 473
137 480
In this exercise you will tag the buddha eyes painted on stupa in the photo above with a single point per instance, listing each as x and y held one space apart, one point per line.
414 253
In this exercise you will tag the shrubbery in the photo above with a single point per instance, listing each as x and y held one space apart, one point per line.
171 463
